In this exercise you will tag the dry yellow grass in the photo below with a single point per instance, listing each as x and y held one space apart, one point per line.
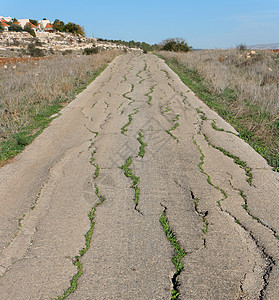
253 75
24 90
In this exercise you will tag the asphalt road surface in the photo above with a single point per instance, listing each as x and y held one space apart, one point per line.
139 191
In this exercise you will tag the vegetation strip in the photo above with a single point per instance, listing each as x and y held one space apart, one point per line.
142 144
176 124
130 119
267 147
88 236
179 253
128 173
149 94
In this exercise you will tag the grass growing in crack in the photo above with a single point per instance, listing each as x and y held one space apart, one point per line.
246 207
129 98
200 213
166 72
179 253
149 94
128 173
167 108
176 124
215 127
142 144
236 160
138 75
130 119
202 114
208 177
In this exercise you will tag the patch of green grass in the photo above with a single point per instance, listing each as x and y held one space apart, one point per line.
128 173
266 143
13 145
179 253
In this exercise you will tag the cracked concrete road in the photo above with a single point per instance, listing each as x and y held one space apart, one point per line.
139 191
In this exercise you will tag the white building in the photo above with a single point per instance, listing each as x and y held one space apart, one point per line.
43 23
22 22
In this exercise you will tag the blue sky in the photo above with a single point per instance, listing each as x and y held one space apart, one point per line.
203 23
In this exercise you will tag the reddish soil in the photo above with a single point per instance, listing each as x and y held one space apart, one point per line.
15 60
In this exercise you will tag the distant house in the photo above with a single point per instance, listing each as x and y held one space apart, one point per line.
7 19
42 25
49 28
35 28
6 26
22 22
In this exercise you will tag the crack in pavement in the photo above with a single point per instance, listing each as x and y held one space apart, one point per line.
129 98
142 144
130 119
179 253
149 94
202 215
245 206
176 124
128 173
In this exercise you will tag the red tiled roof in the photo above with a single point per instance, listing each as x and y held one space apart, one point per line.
48 25
31 25
3 22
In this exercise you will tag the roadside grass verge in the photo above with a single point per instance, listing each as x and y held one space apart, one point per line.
33 92
256 121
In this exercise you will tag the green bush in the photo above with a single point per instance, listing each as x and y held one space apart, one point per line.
1 28
28 29
15 27
176 45
89 51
